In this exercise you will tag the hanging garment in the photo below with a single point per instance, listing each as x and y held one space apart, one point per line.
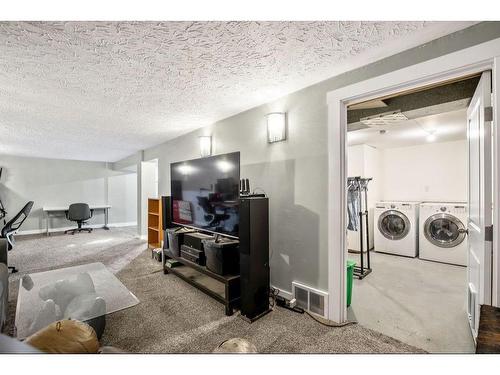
353 207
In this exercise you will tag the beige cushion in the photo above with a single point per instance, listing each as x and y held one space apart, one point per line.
65 336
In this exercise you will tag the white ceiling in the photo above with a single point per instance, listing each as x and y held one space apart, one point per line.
104 90
447 127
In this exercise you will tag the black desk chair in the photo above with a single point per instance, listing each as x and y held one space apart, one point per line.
12 227
79 212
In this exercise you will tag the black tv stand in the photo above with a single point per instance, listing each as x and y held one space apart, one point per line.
225 289
249 289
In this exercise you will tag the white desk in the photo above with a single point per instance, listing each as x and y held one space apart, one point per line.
55 210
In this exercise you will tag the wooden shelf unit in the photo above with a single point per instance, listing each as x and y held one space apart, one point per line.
155 230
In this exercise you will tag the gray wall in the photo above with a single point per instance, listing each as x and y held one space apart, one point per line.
294 173
53 182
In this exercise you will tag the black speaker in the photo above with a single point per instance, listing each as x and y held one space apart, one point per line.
254 256
166 211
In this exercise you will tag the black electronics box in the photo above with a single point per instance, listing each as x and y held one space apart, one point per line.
223 257
194 240
173 240
193 255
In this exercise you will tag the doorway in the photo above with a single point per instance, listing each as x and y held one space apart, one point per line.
459 64
409 153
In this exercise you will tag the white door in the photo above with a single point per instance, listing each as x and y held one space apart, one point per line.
479 200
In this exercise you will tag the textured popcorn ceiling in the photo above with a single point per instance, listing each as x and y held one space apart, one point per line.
104 90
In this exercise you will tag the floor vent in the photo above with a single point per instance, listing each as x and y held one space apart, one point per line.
310 299
471 307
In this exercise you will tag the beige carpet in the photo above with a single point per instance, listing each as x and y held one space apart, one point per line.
115 248
174 317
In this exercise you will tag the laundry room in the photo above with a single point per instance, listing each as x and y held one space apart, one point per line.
407 166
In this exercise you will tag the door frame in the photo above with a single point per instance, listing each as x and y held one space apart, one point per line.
484 56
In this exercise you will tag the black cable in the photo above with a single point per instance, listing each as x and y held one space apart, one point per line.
273 294
282 302
329 323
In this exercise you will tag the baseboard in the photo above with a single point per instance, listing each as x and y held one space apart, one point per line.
126 224
284 293
55 230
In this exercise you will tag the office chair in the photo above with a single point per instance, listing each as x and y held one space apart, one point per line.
79 212
12 227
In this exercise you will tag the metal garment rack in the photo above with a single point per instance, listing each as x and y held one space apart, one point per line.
3 213
360 184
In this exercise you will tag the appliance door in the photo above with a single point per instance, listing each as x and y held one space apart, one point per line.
444 230
394 225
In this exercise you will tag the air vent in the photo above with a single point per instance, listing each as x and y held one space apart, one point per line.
471 307
302 297
310 299
384 119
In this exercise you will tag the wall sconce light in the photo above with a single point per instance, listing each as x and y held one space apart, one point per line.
205 145
276 127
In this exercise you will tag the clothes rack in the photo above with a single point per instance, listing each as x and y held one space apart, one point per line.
359 185
3 213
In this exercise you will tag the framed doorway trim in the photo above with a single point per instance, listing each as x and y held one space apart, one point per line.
485 56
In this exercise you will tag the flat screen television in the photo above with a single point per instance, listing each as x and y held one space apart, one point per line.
205 193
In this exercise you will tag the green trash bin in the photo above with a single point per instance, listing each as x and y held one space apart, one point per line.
350 276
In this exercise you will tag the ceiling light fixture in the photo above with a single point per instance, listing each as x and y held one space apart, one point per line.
431 134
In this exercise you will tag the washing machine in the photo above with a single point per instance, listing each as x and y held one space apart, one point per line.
443 236
396 230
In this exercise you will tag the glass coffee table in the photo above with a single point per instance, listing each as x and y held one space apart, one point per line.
84 293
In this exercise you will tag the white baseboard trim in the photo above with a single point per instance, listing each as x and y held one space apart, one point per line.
284 293
126 224
55 230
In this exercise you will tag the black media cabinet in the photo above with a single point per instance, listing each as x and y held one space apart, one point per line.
225 289
248 290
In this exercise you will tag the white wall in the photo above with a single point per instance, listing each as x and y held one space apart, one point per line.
429 172
149 189
54 182
435 172
122 196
